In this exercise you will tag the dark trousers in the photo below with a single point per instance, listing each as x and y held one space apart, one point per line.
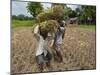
41 59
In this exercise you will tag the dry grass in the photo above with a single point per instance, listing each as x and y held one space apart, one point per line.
78 51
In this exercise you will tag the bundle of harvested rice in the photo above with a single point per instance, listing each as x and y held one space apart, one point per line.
55 13
49 26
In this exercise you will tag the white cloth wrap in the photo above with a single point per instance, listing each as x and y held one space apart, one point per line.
42 46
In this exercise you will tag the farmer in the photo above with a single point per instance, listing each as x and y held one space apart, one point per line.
43 55
59 35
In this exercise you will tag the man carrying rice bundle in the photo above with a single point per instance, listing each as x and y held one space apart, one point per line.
44 33
59 35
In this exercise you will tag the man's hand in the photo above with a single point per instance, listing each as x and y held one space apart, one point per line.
51 44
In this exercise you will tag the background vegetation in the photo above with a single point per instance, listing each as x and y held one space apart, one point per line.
86 15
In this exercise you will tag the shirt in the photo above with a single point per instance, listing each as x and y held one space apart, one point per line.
58 35
42 46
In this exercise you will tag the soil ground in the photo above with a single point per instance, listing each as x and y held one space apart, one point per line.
78 50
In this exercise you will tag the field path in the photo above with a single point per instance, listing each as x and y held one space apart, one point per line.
78 50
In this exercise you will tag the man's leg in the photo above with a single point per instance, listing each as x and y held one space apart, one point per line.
58 52
40 61
48 58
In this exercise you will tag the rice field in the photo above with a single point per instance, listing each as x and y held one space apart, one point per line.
78 50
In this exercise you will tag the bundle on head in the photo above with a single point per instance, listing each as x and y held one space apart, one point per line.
48 26
58 11
46 15
55 13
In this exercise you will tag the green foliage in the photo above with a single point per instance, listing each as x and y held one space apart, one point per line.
72 14
24 23
21 17
87 13
92 27
34 8
67 11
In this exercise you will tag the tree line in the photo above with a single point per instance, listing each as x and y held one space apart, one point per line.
21 17
84 13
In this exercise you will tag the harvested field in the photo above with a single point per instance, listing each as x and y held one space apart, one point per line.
78 50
